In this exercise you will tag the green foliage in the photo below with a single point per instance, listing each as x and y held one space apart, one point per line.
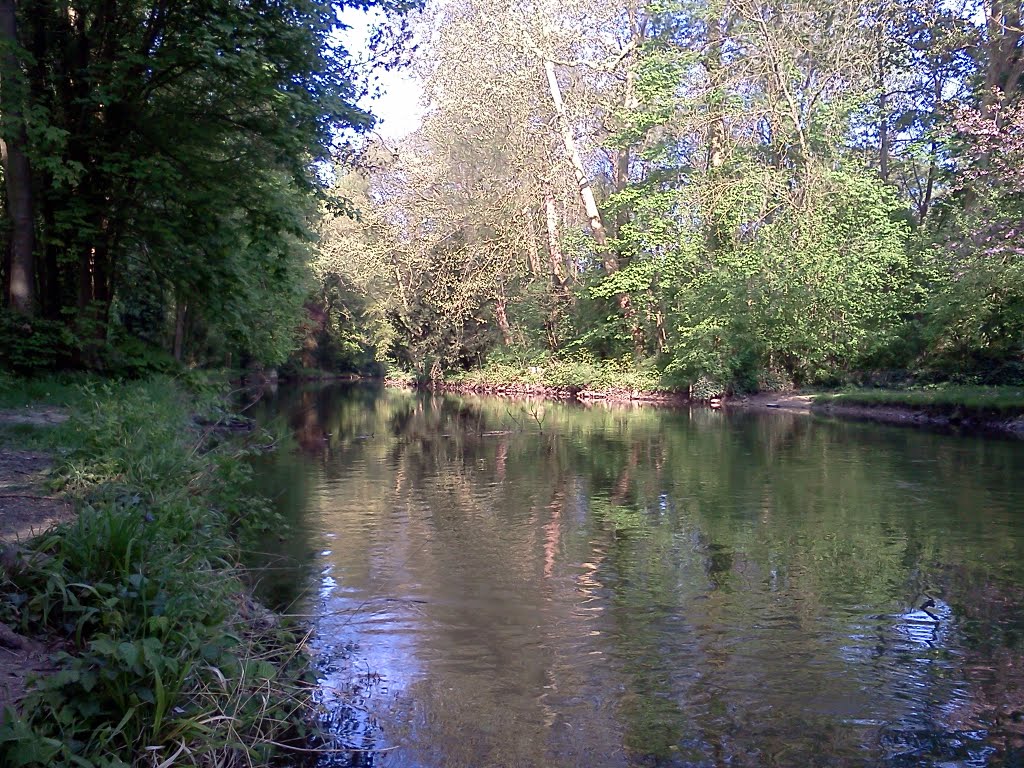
773 219
814 293
580 371
162 651
33 345
55 389
127 357
180 168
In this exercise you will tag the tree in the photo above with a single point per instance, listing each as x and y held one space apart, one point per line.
179 144
760 191
19 269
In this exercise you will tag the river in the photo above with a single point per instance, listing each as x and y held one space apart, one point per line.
531 584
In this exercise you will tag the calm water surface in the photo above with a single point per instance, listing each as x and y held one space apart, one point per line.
495 583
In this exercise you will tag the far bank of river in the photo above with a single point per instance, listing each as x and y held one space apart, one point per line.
983 409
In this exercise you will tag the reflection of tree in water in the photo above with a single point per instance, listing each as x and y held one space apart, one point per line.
307 423
742 580
989 624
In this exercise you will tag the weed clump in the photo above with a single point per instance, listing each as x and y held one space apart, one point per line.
165 660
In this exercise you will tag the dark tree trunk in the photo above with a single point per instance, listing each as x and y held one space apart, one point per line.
21 293
179 329
501 316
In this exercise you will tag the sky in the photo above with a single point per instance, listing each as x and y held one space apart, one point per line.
397 108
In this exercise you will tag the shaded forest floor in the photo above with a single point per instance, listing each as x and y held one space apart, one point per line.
26 507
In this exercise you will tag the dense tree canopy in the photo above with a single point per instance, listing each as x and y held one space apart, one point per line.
732 194
161 165
745 194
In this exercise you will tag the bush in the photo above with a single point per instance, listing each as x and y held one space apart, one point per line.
31 345
128 357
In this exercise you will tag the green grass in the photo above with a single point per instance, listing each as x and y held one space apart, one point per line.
997 401
53 390
165 654
17 394
27 437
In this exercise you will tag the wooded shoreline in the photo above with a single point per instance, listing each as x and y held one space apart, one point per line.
882 406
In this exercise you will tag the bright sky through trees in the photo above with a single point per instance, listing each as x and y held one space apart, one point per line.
394 95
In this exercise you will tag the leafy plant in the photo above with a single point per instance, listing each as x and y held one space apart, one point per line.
163 649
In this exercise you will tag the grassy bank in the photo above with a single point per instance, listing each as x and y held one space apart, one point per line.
950 401
162 657
998 408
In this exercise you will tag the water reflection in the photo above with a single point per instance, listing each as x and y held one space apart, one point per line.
514 584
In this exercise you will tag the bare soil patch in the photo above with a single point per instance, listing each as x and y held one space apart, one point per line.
784 401
26 510
21 658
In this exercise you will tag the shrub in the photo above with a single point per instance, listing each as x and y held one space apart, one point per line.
30 345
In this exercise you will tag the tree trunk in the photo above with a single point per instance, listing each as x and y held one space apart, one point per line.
556 260
532 254
180 312
21 294
1004 54
502 319
622 156
611 263
586 190
714 235
713 65
557 264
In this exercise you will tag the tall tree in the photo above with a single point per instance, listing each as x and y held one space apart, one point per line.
20 267
174 149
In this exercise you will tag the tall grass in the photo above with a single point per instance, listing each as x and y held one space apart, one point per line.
167 661
581 372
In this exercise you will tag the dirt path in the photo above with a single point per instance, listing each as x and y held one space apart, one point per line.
26 510
36 417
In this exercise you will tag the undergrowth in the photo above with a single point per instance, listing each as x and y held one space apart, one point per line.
166 660
580 373
52 390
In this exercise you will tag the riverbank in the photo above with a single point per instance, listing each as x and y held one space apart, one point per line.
988 409
521 390
994 409
132 634
583 381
